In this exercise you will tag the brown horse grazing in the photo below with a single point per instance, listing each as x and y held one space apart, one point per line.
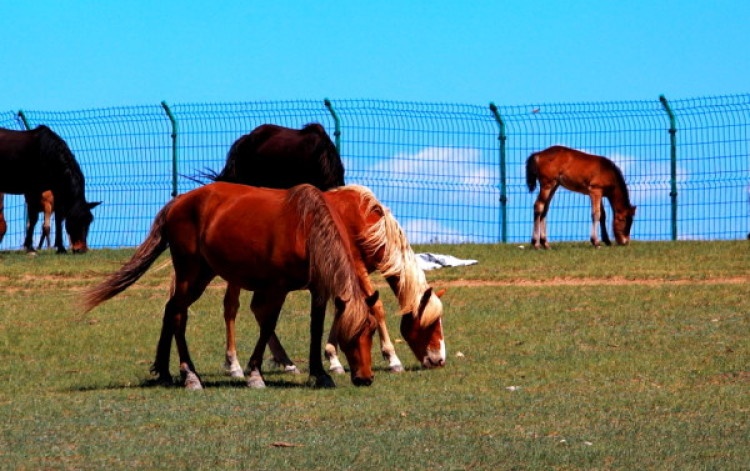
279 157
589 174
380 244
263 240
43 204
32 162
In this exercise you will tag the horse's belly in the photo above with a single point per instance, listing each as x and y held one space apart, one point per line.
255 271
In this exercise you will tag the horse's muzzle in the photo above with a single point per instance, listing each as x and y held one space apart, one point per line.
359 381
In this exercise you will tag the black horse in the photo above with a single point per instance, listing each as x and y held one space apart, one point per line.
34 161
279 157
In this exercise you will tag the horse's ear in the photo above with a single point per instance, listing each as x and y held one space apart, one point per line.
423 302
439 293
372 299
94 204
632 210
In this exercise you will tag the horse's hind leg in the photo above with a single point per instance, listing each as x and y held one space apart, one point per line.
266 306
186 292
231 306
46 206
541 207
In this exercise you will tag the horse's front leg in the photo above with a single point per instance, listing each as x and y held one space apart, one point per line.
266 306
32 216
603 224
58 232
318 376
596 203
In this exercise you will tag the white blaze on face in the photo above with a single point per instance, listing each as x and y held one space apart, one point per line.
435 357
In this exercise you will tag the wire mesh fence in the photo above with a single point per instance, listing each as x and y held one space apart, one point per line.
451 173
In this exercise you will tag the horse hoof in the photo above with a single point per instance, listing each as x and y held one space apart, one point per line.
255 381
31 253
320 382
239 374
192 382
339 370
292 369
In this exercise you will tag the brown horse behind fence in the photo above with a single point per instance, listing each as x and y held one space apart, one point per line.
589 174
35 204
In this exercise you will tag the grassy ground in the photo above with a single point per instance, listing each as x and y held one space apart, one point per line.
574 358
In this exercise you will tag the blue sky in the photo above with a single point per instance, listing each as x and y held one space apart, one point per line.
92 54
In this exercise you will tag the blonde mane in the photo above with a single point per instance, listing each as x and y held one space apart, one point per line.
398 258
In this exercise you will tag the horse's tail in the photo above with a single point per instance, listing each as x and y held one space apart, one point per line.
133 269
327 155
532 172
229 172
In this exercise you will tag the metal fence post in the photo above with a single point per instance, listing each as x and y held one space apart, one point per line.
337 129
174 146
503 187
25 121
673 162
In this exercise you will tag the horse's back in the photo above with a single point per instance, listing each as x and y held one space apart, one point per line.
576 170
281 157
247 235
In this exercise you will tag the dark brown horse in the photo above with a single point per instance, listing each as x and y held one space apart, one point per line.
35 161
589 174
279 157
262 240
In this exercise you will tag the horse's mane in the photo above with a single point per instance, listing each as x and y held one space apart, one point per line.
398 257
58 156
332 272
620 182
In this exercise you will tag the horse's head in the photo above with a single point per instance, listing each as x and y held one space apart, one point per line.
423 330
621 225
77 225
358 349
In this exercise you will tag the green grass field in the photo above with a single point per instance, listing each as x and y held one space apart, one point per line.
573 358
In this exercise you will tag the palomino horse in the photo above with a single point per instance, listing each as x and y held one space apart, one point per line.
35 161
34 206
280 157
263 240
381 245
591 175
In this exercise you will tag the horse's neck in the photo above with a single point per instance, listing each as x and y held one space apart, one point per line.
619 199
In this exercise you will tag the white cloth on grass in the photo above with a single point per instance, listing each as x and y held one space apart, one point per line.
432 261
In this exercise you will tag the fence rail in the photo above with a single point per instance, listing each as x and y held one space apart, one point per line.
449 172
